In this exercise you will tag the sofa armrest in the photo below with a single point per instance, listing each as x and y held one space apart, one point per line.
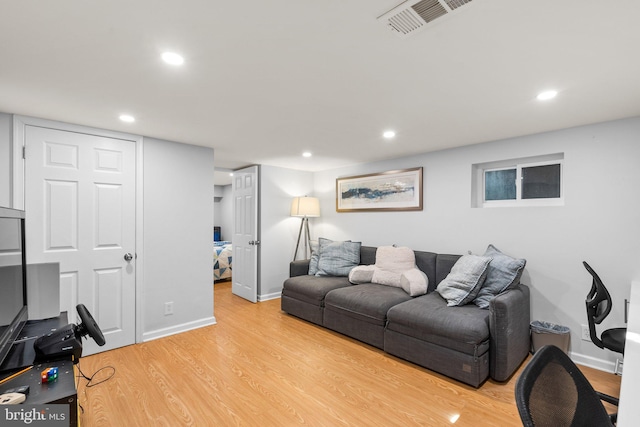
510 343
299 268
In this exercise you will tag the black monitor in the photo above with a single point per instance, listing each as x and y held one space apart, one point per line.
13 278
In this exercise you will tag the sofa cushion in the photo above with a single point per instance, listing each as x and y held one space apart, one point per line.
444 264
463 283
312 289
337 258
368 302
368 255
426 262
503 273
429 318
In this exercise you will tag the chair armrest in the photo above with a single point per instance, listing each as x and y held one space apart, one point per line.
609 399
299 268
510 338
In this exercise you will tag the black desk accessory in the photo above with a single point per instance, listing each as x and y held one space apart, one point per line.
67 341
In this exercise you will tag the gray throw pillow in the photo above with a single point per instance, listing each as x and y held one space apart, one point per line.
503 272
337 258
463 283
315 254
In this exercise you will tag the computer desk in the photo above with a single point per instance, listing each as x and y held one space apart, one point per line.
628 408
60 391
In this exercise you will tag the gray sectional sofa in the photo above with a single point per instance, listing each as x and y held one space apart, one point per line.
466 343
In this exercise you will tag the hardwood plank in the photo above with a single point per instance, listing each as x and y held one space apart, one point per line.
260 366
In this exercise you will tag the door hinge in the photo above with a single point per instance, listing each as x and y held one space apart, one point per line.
24 152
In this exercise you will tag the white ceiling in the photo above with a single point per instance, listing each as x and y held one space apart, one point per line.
264 81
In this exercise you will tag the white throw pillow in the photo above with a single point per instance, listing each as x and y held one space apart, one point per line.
361 274
414 282
391 262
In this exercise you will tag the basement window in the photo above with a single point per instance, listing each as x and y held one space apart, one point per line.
531 181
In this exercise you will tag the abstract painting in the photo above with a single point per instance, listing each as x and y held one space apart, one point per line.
399 190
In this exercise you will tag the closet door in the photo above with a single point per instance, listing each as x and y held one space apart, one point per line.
80 212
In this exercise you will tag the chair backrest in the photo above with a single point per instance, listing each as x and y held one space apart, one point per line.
598 303
551 391
598 298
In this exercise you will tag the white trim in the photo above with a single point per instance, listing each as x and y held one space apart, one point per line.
18 144
139 239
69 127
267 297
593 362
177 329
519 201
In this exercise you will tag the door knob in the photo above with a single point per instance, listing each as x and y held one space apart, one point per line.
128 257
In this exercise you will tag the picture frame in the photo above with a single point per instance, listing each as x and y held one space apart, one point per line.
397 190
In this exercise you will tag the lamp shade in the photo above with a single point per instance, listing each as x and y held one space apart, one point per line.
305 207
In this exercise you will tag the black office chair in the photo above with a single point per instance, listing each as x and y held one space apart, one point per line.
598 307
551 391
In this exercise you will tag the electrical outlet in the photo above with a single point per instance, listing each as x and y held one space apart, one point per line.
586 335
168 308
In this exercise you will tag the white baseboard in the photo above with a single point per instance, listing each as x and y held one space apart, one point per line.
593 362
165 332
267 297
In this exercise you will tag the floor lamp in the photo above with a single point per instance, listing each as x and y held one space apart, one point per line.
305 208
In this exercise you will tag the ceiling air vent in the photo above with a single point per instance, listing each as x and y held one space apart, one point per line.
412 16
454 4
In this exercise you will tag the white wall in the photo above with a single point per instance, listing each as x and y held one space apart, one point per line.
278 230
599 222
223 210
178 237
226 213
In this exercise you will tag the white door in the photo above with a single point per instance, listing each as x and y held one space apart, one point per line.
245 233
80 212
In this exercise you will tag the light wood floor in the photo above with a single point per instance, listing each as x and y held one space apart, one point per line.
261 367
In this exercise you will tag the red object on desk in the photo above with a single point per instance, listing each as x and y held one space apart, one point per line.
49 375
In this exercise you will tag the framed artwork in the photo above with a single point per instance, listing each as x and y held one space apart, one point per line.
399 190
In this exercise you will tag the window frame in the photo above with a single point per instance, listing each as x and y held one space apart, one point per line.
519 201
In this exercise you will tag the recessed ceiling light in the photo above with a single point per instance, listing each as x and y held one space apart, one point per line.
172 58
306 154
388 134
127 118
546 95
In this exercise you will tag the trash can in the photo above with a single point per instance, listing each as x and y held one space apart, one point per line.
545 333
